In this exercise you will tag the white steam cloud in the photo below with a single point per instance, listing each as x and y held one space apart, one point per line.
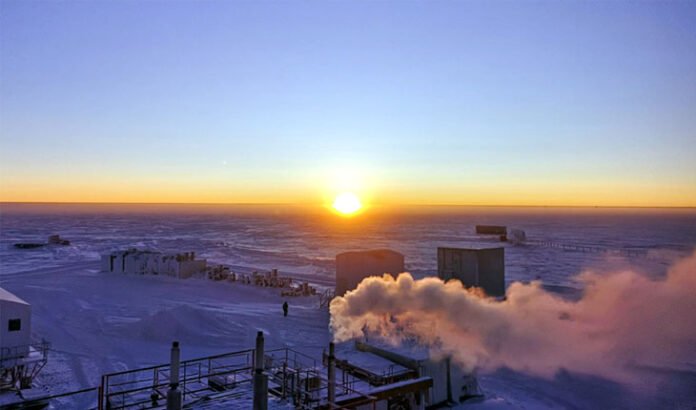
623 319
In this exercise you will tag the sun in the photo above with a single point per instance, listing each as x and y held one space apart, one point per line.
347 204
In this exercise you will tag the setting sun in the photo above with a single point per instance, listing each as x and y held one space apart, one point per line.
347 203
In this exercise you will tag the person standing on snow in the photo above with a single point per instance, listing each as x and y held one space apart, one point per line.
285 309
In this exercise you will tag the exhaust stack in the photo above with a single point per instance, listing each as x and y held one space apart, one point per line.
260 379
332 375
174 394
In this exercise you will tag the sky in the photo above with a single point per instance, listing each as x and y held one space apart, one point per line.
408 102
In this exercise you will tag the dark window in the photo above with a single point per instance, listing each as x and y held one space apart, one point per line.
14 325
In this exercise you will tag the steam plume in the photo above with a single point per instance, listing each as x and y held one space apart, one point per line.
624 318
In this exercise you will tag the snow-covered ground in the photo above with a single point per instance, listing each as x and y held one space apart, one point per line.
99 323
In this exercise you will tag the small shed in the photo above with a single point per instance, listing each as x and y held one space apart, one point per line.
15 325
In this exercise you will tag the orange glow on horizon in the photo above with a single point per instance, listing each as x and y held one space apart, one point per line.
347 204
314 192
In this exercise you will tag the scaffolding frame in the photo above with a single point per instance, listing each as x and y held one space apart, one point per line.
19 365
293 377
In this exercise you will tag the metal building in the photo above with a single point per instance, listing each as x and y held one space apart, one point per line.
491 229
20 360
15 324
352 267
133 261
474 267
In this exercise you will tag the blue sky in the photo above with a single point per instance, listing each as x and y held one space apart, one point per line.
439 102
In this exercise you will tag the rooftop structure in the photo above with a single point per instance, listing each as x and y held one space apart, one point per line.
253 378
353 267
450 384
491 229
474 267
364 377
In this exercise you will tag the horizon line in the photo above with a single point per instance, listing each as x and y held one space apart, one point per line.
319 205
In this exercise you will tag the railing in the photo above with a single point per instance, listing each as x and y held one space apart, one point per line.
20 364
326 297
293 376
352 372
587 248
148 386
291 357
18 355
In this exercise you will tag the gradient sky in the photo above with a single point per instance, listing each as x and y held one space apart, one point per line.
504 103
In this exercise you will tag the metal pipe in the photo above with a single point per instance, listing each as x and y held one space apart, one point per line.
174 394
100 405
285 379
332 375
260 379
258 353
174 361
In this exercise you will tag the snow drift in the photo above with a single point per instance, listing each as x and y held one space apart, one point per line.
188 324
624 320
